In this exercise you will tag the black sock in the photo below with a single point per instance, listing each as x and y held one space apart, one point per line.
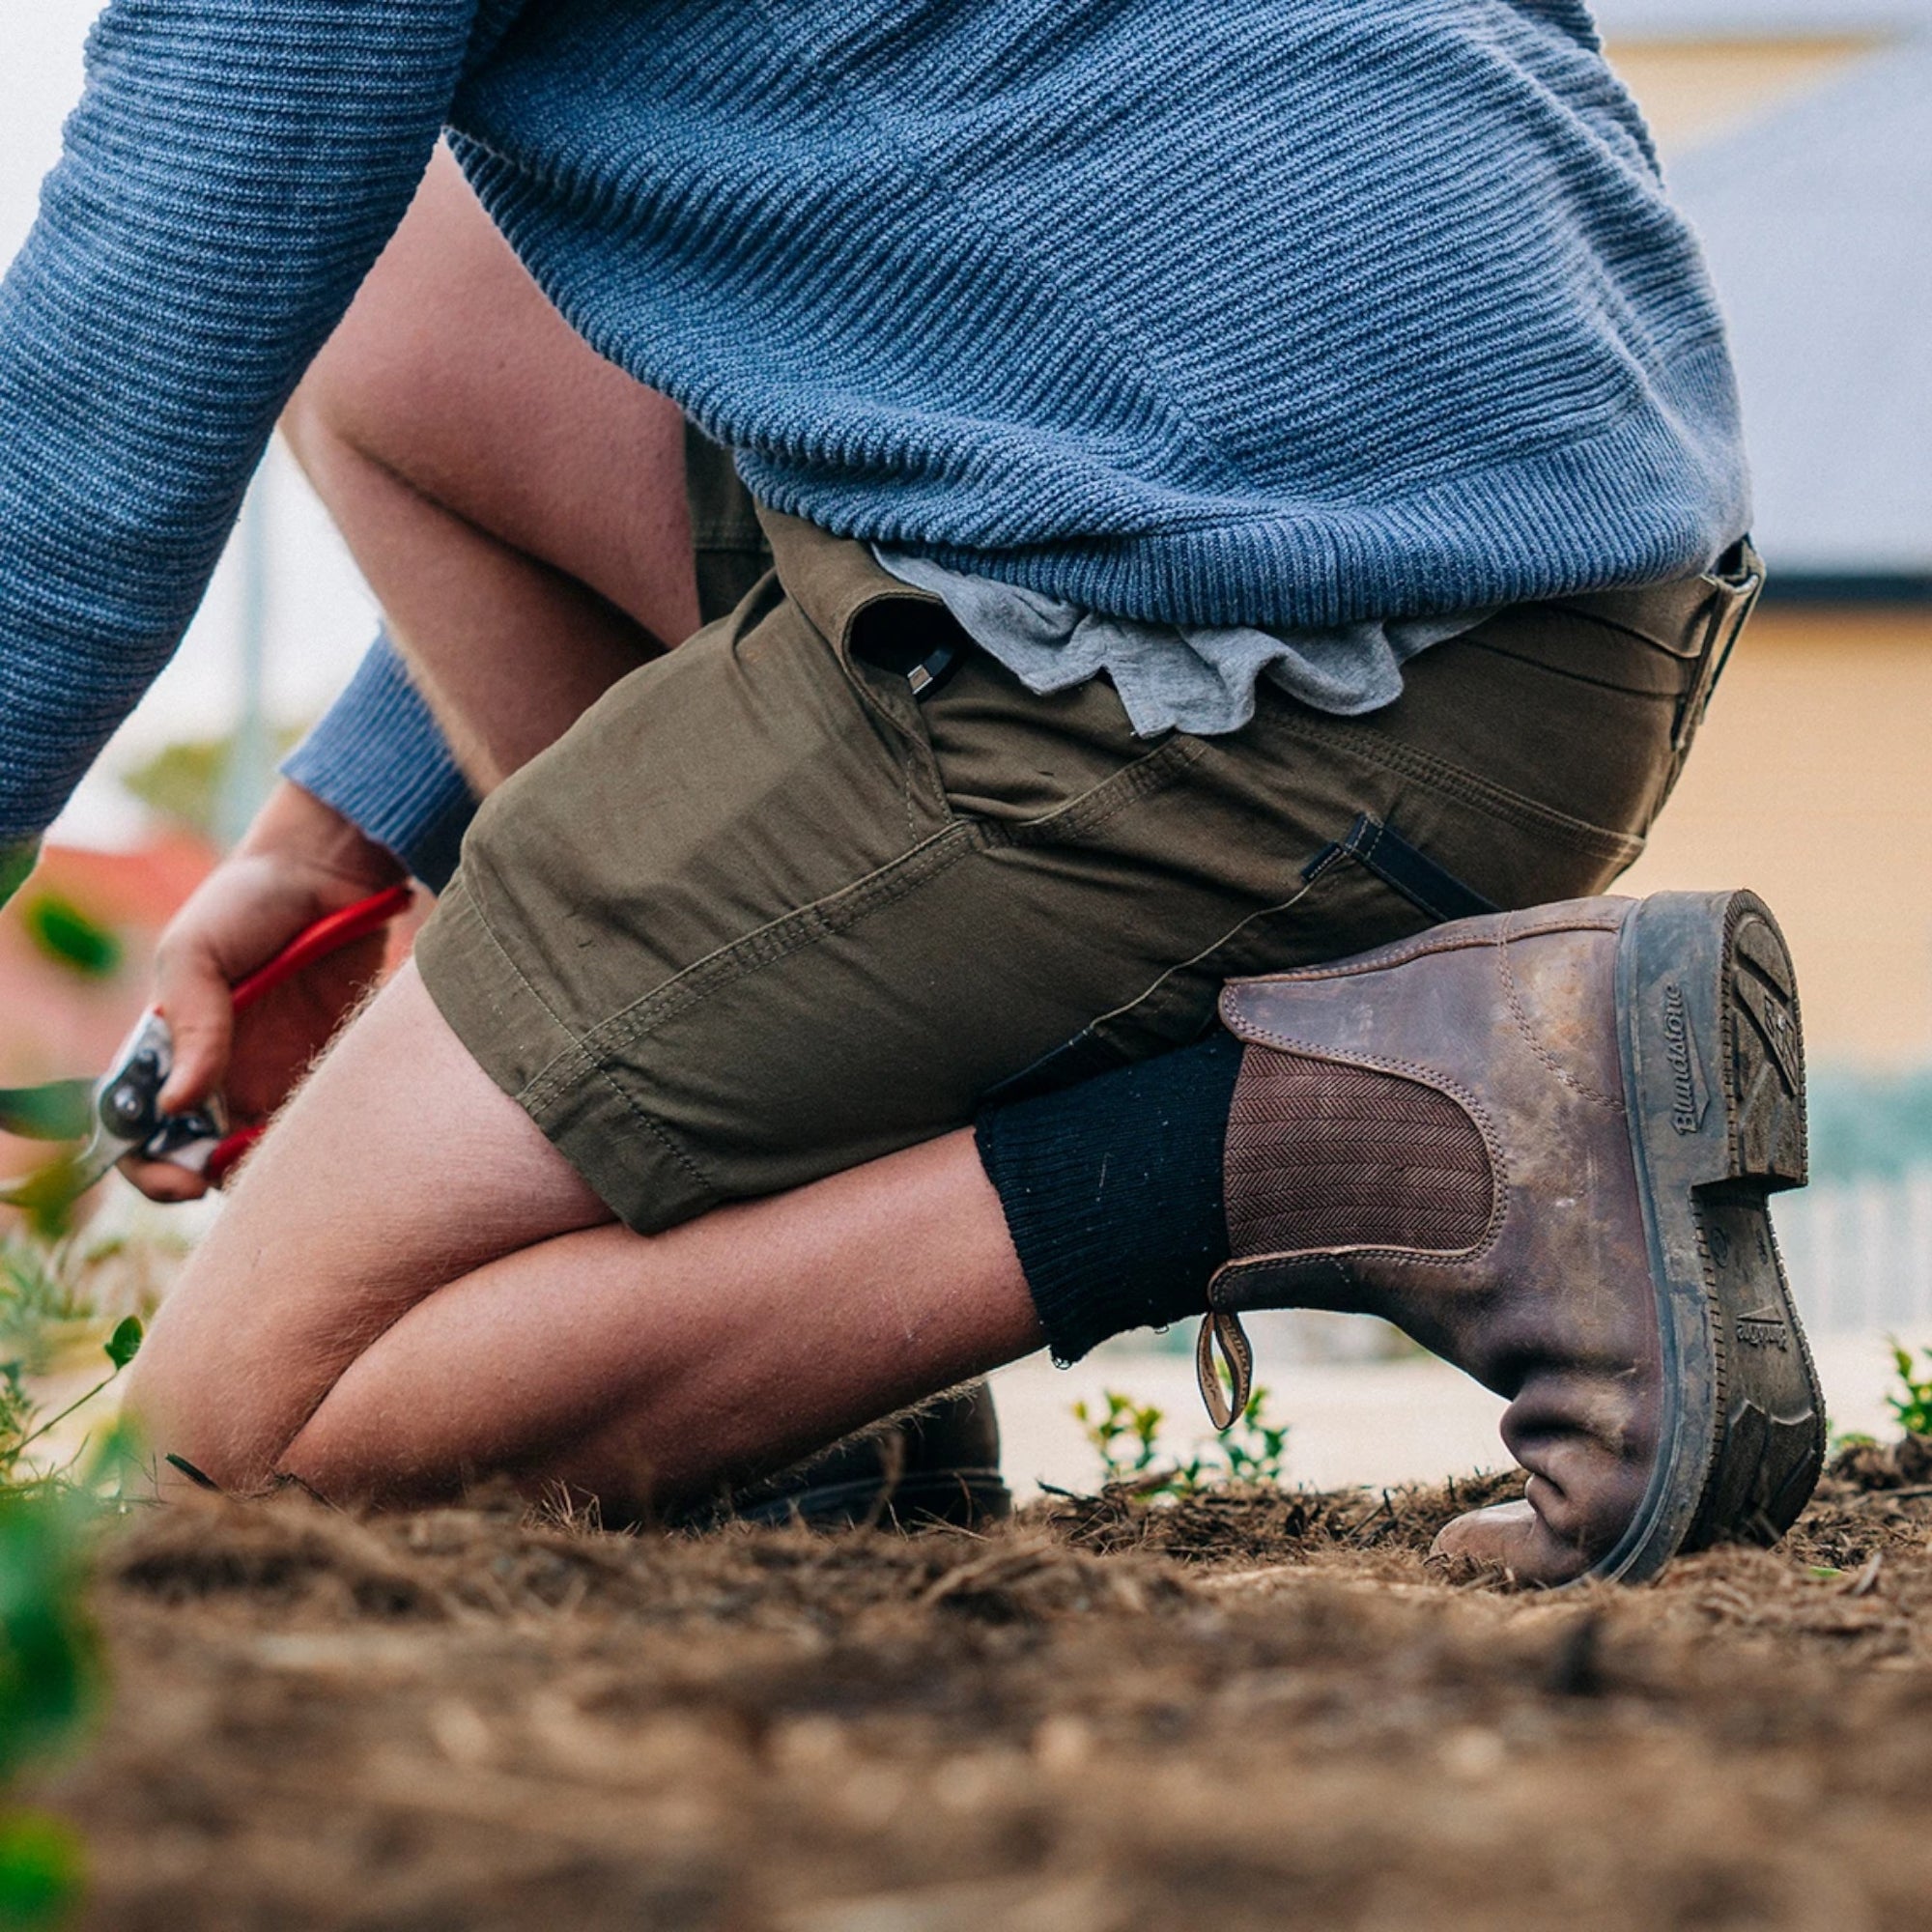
1113 1192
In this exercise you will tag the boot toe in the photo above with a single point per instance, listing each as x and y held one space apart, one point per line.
1511 1537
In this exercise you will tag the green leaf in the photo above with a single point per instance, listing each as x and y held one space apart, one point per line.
69 937
47 1198
40 1871
58 1110
124 1343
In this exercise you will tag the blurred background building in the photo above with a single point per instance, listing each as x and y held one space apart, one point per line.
1797 135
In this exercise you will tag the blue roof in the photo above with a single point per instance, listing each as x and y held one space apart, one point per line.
1818 224
1757 20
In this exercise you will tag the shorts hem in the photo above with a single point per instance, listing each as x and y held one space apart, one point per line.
627 1156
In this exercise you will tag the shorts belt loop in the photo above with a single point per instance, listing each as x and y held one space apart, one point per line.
1734 596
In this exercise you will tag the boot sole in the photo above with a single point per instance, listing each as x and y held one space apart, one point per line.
1714 1073
960 1498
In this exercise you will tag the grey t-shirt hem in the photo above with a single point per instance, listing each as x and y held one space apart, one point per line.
1199 679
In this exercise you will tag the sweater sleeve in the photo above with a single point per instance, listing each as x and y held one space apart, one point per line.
232 171
380 760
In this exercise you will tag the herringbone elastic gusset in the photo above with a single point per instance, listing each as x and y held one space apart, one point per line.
1320 1155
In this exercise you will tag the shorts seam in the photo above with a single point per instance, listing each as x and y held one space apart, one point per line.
1085 814
576 1050
779 939
535 1101
850 905
1393 755
1116 1016
662 1135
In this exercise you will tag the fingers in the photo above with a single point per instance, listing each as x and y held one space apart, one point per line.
299 862
194 994
163 1181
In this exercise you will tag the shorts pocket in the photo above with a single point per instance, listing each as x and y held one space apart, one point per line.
1032 767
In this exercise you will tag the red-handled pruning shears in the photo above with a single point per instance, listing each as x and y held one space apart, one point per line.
120 1114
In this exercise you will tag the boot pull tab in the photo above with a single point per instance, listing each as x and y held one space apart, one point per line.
1225 1330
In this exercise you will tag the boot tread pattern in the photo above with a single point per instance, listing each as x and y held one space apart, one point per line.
1715 1066
1770 1442
1767 1059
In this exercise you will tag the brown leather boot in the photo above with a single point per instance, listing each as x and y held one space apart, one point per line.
938 1463
1540 1143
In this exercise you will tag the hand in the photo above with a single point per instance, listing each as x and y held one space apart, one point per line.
299 861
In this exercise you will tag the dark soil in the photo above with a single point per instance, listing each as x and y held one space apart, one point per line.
1254 1709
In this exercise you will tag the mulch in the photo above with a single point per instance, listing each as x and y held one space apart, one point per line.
1252 1708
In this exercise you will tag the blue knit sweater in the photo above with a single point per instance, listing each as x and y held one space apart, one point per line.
1273 312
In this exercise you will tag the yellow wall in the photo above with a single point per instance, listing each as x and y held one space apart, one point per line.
1812 783
1696 90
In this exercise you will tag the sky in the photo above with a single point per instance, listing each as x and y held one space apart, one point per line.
320 618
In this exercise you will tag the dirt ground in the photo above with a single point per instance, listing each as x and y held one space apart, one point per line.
1254 1710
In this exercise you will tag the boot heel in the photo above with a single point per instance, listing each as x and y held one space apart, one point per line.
1763 1050
1715 1076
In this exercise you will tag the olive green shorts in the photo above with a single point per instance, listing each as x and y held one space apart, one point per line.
764 914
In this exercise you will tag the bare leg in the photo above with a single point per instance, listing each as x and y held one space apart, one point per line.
411 1289
516 502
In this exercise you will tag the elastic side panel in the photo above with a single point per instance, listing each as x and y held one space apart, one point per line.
1327 1157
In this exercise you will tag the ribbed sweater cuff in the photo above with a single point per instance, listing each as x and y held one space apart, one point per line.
381 760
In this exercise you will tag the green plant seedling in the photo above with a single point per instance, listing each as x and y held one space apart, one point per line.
21 1424
1914 1406
1256 1448
1126 1437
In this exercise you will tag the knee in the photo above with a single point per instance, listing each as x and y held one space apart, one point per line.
177 1405
223 1397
